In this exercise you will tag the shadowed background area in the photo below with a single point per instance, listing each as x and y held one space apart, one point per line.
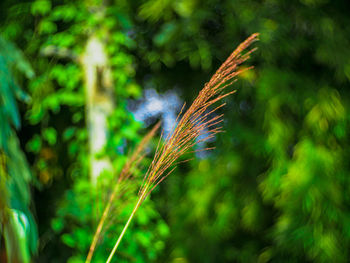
81 83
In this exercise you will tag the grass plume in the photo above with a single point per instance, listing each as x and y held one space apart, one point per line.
132 163
197 122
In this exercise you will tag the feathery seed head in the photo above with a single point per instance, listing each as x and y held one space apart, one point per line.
196 121
138 154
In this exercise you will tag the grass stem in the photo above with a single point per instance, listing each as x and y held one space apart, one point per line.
100 225
125 227
197 121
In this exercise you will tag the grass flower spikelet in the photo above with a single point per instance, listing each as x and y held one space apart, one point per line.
195 122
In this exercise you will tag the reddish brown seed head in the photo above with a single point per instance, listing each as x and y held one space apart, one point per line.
197 121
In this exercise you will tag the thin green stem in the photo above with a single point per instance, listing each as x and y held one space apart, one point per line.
100 225
125 227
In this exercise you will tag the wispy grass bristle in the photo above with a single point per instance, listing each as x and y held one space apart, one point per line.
197 121
132 163
196 125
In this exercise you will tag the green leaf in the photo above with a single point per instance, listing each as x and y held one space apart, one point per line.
47 27
41 7
34 145
57 224
50 135
15 234
68 240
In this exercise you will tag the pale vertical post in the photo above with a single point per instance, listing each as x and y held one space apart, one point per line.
99 103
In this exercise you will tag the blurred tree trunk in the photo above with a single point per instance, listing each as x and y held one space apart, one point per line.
99 98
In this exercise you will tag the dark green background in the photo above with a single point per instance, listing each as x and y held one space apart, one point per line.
275 189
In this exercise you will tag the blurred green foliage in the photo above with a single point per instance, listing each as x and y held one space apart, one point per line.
17 225
276 187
